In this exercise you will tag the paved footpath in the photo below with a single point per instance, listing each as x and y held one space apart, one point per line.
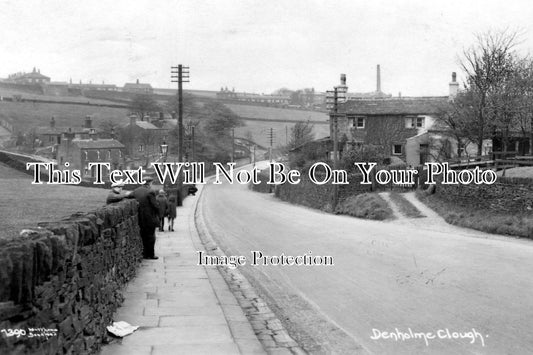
182 308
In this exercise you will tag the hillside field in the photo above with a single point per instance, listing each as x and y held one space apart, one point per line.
282 131
27 115
275 113
9 92
23 205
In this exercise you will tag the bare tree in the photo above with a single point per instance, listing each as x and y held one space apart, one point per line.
456 119
488 66
524 104
301 133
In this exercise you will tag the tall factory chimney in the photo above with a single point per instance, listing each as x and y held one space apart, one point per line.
378 79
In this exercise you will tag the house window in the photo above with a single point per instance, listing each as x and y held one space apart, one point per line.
120 153
358 122
109 154
141 148
98 155
86 155
397 149
415 122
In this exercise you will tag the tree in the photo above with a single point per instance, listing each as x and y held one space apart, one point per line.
456 119
213 123
191 108
488 66
525 112
301 133
109 128
142 104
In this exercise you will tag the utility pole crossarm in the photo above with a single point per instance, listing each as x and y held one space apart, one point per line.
180 75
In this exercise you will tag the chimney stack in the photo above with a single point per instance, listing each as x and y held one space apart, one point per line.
378 79
133 118
88 122
343 79
454 86
137 81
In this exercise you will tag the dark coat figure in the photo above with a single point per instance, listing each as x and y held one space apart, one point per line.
163 207
148 217
171 212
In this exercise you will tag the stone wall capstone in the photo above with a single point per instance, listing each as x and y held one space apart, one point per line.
67 276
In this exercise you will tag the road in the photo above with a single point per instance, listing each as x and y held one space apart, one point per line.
387 277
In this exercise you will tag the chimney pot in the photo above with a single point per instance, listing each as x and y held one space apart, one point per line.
454 87
343 79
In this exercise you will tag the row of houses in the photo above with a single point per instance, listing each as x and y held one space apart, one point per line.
62 88
137 143
231 95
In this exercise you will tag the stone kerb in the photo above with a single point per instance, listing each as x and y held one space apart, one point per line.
66 276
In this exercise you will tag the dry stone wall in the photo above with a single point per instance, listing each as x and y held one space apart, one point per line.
61 282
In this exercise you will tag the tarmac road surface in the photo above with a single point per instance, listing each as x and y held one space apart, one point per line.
395 288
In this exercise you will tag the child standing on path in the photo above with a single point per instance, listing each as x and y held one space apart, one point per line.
171 212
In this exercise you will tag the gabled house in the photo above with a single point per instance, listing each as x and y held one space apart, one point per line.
52 135
80 152
138 88
405 128
143 139
35 77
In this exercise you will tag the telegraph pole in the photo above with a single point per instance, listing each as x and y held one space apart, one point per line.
180 74
338 91
271 139
233 145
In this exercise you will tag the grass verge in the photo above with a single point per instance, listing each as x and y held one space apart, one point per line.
24 205
406 207
369 206
486 221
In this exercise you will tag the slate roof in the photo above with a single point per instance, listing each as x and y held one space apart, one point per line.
49 130
61 130
137 86
146 125
97 144
33 75
395 106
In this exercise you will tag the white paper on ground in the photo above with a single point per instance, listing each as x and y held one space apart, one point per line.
121 329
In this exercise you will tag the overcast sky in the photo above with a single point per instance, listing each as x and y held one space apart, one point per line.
253 46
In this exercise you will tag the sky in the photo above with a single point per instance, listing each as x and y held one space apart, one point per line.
255 46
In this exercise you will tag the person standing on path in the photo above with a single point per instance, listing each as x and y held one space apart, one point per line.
148 216
163 209
171 214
